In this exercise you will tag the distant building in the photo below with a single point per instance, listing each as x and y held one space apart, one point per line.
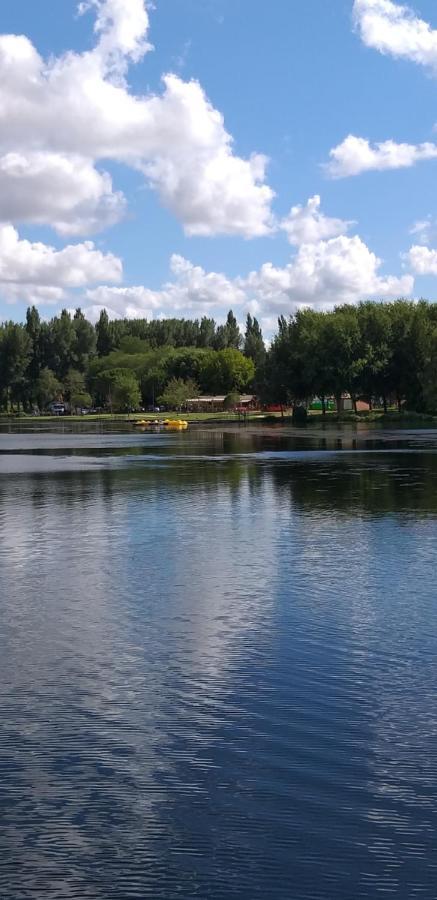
217 403
347 404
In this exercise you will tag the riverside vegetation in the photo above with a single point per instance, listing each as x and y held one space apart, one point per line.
380 352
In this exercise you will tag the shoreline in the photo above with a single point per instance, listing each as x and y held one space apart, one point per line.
406 418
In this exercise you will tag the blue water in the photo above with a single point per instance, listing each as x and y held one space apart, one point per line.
218 672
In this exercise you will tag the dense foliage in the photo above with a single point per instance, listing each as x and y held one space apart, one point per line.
383 352
380 352
122 364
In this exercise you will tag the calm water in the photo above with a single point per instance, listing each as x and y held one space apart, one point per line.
218 670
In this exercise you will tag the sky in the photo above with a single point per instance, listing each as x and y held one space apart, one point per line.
186 157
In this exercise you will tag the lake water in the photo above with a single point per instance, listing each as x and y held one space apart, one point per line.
218 664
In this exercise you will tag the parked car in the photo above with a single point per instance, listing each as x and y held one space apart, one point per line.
56 409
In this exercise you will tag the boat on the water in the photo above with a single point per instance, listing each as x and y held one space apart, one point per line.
176 424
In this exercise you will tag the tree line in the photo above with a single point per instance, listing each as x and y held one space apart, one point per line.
123 364
380 352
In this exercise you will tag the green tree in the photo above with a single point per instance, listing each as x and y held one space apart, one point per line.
341 336
411 325
84 345
224 371
62 344
47 388
126 393
206 332
374 324
105 337
228 335
106 384
177 392
291 367
15 355
428 375
34 331
275 385
153 381
133 345
254 346
233 331
185 363
81 400
231 401
75 391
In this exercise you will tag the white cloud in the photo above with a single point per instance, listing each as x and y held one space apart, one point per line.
424 229
193 168
66 192
394 29
306 224
192 293
356 155
79 105
122 26
325 274
322 275
422 259
60 118
36 271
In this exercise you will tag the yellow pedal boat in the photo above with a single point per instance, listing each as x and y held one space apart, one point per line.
179 424
175 423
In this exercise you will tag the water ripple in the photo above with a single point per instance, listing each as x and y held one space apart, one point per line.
217 674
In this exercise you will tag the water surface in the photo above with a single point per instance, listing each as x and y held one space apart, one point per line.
218 664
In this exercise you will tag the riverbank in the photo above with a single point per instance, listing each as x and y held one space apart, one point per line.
375 417
392 417
219 418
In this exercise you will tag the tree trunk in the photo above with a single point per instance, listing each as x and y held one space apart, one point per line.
354 403
323 406
384 402
399 399
338 404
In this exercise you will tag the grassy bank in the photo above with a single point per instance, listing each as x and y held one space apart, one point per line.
391 418
134 417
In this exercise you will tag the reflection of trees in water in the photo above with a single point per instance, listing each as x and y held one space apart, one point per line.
350 483
67 487
190 476
148 598
355 484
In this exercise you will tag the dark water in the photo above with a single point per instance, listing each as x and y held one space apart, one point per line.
218 673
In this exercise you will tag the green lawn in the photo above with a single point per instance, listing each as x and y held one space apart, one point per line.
377 416
150 417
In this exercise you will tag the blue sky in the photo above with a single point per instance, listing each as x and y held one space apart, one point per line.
199 229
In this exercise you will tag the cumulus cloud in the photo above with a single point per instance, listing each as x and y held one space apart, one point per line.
36 272
356 155
80 106
122 26
306 224
193 168
422 259
324 274
193 292
66 192
63 118
321 274
394 29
